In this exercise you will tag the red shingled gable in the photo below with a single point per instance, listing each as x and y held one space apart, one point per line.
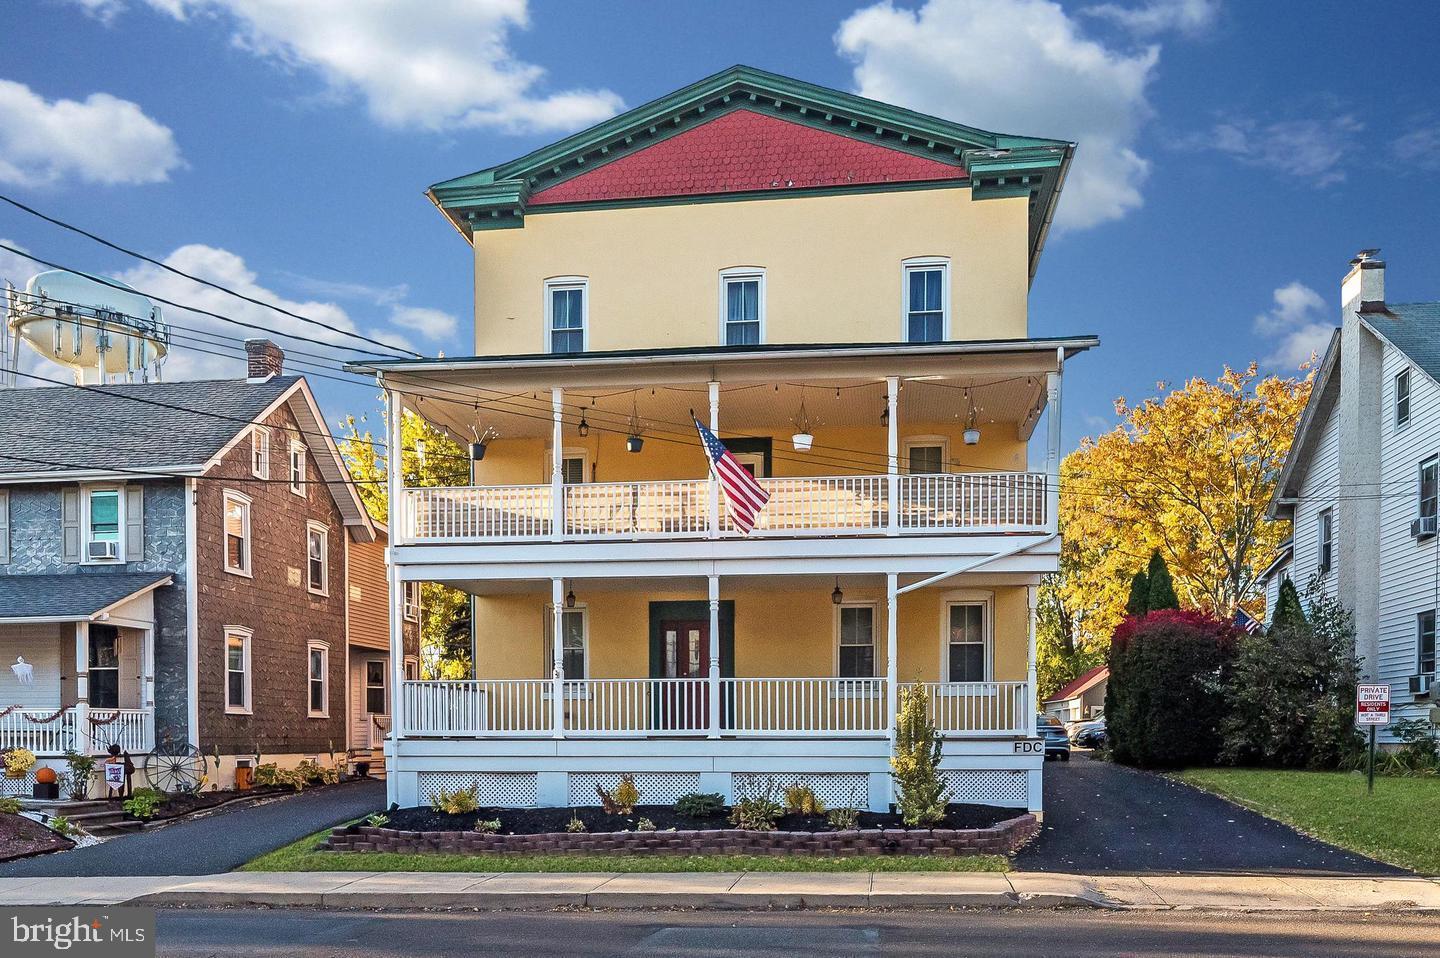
1078 685
743 151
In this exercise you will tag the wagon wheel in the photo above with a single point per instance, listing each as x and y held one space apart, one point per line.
175 766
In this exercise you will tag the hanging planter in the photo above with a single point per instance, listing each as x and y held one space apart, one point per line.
972 432
803 438
482 440
635 441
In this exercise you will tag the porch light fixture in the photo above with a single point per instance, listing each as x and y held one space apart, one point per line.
570 599
838 595
802 439
885 415
635 441
972 433
584 428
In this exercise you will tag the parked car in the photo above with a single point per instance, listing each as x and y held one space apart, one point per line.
1057 743
1089 734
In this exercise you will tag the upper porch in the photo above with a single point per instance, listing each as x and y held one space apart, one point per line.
893 443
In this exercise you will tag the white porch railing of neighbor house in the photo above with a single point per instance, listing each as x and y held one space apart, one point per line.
131 729
44 733
963 502
748 708
22 728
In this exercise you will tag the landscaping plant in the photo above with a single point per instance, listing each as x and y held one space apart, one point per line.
143 802
623 799
462 801
755 807
700 804
487 826
921 794
82 770
10 806
574 826
801 799
644 825
843 819
63 826
18 761
377 819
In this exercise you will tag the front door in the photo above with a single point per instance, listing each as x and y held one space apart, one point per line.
685 645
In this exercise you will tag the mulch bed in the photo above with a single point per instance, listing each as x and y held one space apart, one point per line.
540 821
21 837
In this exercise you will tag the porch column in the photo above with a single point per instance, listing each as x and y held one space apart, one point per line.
714 679
557 472
714 486
892 406
1030 706
892 665
1052 451
395 484
557 657
147 685
82 688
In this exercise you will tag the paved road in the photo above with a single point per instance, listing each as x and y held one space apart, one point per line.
213 843
1103 818
956 934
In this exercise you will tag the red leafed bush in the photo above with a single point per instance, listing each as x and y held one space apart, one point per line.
1166 695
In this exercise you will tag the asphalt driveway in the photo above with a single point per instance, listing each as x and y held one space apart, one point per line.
1106 818
217 842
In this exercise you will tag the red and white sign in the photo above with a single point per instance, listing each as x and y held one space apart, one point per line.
1372 705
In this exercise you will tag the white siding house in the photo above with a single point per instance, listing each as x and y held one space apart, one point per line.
1362 473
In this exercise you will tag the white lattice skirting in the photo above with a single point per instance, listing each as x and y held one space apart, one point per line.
835 789
499 789
987 786
17 787
656 788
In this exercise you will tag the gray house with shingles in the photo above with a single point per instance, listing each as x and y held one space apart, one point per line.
172 568
1361 485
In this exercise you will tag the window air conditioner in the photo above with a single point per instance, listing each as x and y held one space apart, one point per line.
103 549
1424 527
1421 685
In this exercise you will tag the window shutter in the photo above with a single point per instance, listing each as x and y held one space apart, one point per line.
4 526
134 523
70 525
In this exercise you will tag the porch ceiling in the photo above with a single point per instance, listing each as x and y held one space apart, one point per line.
71 597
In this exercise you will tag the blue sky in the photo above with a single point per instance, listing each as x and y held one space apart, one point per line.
1232 156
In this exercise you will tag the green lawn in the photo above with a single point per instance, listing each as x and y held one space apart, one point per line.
1399 824
303 856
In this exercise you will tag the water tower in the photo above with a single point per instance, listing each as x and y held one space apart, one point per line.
102 333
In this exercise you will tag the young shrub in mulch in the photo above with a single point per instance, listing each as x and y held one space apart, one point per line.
1166 697
921 795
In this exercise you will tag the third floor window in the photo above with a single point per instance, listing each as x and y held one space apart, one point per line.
565 315
927 292
742 308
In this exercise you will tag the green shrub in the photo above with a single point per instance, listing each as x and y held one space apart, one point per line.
487 826
462 801
921 794
377 820
575 825
700 804
143 803
63 826
801 799
843 819
644 825
82 770
10 806
756 808
1166 696
623 799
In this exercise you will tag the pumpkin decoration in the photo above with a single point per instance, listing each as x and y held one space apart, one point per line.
45 775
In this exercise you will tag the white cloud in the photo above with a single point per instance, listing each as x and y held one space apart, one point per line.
1159 16
1420 146
16 269
340 289
430 323
1300 322
102 139
1306 149
440 65
1018 66
103 10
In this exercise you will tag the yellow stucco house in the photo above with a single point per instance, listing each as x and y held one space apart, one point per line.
838 289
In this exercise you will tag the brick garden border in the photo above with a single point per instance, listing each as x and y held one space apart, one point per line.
999 839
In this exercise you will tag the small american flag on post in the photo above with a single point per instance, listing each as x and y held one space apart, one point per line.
744 497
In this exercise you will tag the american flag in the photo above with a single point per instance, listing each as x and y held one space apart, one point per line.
1244 620
744 497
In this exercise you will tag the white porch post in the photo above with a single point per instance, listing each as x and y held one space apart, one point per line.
892 665
1029 706
714 678
892 468
82 688
147 687
1052 452
395 486
557 472
714 487
557 657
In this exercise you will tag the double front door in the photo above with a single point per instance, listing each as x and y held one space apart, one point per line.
680 649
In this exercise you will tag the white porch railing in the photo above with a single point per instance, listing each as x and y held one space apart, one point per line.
132 729
22 729
981 708
748 708
962 502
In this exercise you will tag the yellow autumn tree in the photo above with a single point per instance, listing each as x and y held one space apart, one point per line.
1189 474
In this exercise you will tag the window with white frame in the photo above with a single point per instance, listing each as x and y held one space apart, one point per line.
1425 639
925 455
1428 494
566 314
375 686
297 468
412 669
857 641
1324 540
966 652
742 307
104 524
574 465
260 452
237 533
574 628
1402 398
927 298
317 558
410 592
318 675
237 670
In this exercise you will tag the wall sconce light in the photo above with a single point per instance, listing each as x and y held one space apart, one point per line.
885 415
838 595
570 599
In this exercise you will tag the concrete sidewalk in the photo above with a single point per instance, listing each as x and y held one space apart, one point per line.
734 890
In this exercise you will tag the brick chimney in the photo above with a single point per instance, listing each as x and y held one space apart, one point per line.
264 359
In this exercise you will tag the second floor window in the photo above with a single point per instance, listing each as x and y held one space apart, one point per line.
1428 490
565 315
1425 636
926 291
317 558
743 306
237 533
104 521
297 468
1324 540
1402 398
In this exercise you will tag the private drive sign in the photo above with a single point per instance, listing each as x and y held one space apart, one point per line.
1372 705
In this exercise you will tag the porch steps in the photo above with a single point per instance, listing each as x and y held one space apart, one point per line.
101 818
376 758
